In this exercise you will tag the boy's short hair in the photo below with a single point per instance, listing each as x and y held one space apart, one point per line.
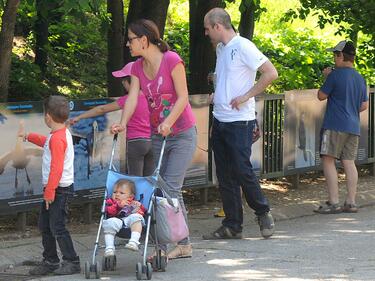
125 182
57 107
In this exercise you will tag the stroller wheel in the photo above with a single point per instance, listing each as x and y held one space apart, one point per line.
148 270
97 270
163 263
155 263
109 263
138 271
159 263
86 270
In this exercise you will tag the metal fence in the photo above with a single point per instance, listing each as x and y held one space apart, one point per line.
273 129
371 126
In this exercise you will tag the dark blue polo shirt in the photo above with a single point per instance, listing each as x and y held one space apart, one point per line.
346 90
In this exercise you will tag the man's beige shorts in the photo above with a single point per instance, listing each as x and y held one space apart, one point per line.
340 145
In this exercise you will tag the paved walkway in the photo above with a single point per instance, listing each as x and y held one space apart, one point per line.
300 235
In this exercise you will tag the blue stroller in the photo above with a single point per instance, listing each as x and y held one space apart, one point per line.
146 189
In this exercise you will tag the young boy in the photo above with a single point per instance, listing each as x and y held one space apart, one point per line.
123 209
57 174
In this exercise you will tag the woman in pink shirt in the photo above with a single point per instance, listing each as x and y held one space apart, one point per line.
160 74
139 157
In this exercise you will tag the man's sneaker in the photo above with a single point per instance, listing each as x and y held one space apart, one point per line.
109 252
132 246
44 268
222 232
266 225
68 268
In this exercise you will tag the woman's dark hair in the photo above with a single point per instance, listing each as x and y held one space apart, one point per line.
148 28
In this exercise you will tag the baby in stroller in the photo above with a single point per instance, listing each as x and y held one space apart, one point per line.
123 210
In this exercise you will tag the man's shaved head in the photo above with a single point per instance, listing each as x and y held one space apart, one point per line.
219 15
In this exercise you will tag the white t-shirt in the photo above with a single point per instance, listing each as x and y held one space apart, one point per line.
236 67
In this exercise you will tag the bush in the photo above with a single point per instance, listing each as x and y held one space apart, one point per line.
76 64
298 57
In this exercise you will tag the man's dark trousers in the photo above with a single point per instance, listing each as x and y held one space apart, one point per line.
232 150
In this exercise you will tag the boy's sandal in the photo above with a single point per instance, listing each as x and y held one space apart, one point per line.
349 208
329 208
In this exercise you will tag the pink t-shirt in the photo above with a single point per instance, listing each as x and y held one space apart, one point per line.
161 93
139 124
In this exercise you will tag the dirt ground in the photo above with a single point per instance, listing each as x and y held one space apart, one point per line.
278 191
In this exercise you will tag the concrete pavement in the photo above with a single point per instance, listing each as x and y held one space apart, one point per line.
306 246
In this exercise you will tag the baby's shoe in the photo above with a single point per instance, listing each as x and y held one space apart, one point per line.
132 245
109 252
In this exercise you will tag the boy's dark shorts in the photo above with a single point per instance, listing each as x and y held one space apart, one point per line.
341 145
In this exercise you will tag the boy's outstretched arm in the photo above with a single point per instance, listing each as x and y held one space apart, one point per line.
32 137
37 139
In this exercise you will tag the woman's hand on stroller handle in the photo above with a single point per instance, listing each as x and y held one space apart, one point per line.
164 129
117 128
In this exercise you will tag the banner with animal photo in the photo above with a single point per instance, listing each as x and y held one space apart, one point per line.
303 121
21 162
92 142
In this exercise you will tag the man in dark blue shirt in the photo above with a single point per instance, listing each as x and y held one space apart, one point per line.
346 94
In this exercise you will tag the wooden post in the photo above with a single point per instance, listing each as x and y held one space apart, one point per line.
294 180
87 213
21 221
372 169
204 195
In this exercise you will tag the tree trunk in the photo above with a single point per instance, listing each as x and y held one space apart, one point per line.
134 13
6 44
47 13
247 21
41 35
202 52
155 10
115 46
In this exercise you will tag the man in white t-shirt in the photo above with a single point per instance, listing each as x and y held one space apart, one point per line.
238 61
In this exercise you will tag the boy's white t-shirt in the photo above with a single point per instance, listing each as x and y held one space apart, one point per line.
236 67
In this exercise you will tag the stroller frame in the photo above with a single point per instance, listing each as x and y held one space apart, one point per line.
159 262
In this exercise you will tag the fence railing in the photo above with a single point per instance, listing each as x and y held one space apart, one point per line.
371 125
273 129
273 126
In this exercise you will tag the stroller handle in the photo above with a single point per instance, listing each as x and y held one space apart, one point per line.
115 138
161 156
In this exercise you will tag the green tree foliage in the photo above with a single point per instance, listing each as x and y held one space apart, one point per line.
359 14
177 36
250 13
77 49
77 60
352 16
298 57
